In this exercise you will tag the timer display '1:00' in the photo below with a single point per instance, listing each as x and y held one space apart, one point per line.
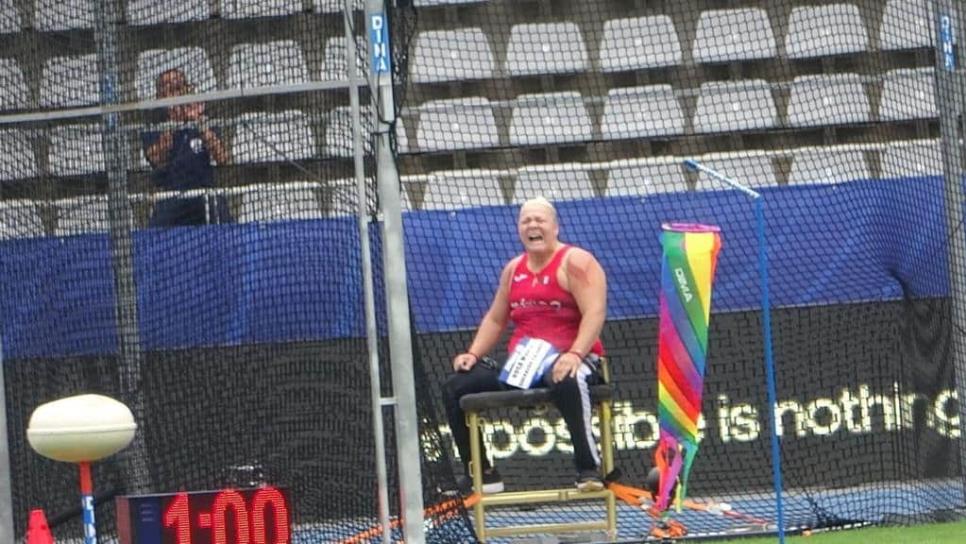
227 516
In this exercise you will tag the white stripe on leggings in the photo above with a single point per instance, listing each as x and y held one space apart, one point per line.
582 374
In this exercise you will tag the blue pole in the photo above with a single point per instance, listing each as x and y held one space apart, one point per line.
776 461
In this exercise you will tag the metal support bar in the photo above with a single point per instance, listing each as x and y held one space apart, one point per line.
6 487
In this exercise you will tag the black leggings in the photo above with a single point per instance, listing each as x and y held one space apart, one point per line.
571 396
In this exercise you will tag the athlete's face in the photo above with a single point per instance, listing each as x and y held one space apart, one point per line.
538 228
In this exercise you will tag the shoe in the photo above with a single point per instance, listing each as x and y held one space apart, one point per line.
492 483
589 480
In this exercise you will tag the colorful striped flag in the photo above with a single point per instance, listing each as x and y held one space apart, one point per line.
687 273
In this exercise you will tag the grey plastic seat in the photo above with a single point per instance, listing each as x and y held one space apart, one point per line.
273 137
635 43
9 17
280 202
908 93
906 24
75 150
14 94
20 219
241 9
63 14
192 61
338 132
749 168
69 81
17 160
725 106
81 215
911 159
823 165
444 2
545 48
452 55
833 99
556 182
456 189
547 118
263 64
642 177
640 112
335 6
154 12
834 29
461 123
334 65
734 34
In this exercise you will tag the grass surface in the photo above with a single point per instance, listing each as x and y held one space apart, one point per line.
935 533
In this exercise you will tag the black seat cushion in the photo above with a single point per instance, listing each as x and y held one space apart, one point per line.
477 402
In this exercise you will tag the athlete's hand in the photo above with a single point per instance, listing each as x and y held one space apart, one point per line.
464 362
566 365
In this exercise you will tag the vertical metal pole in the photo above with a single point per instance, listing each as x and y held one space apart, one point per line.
122 247
949 100
776 458
6 489
372 333
394 266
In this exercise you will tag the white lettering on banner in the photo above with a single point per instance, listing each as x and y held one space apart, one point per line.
683 282
856 411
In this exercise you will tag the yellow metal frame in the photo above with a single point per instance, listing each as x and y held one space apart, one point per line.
608 524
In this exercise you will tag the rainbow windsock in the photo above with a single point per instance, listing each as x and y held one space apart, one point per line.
687 272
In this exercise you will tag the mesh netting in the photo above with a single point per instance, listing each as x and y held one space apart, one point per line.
829 110
198 258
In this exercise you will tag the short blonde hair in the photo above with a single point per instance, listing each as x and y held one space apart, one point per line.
541 202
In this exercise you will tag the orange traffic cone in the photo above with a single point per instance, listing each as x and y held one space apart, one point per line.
38 532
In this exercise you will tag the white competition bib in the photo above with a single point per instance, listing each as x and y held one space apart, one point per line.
527 364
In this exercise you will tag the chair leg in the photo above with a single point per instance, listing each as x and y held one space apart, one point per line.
476 471
607 455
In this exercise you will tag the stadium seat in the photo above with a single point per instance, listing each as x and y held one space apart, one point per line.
402 139
451 55
640 112
556 182
270 63
734 34
241 9
193 61
545 48
280 202
338 132
445 2
75 150
17 160
271 137
547 118
335 6
821 165
20 219
461 123
639 42
14 94
69 81
906 24
462 189
81 215
50 15
834 29
641 177
834 99
9 17
908 93
334 65
725 106
749 168
154 12
910 159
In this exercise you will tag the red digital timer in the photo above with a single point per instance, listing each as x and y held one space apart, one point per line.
228 516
